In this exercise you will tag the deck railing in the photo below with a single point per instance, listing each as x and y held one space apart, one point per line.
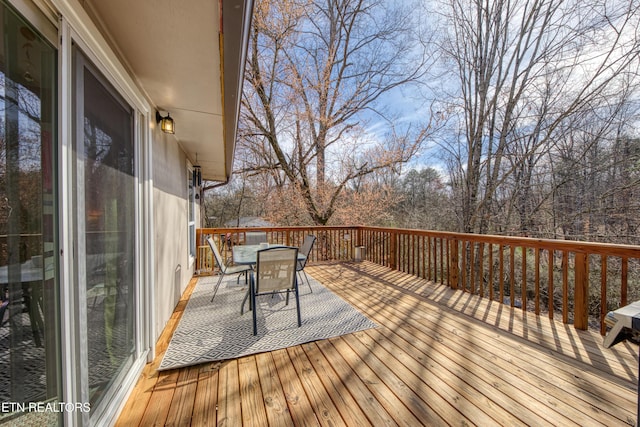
579 281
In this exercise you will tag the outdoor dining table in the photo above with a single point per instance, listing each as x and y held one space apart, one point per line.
248 254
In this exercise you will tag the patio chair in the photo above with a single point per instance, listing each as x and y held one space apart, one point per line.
275 273
255 237
224 268
305 249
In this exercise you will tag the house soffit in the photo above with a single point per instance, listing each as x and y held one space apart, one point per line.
173 50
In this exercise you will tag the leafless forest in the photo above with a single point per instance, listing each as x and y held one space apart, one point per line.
484 116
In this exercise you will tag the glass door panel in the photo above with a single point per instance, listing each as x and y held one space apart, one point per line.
29 301
106 202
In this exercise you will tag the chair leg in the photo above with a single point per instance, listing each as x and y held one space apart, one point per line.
246 297
307 279
297 303
254 308
215 291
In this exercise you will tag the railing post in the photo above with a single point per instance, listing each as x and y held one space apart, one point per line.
198 244
581 301
454 270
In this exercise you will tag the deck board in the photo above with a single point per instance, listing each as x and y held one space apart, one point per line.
302 412
354 385
228 404
377 381
158 405
181 407
252 403
350 411
326 412
275 401
424 402
439 357
204 414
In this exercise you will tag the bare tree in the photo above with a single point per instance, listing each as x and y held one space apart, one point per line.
424 201
595 178
315 74
524 68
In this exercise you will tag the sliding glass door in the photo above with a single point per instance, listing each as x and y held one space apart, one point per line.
29 297
106 231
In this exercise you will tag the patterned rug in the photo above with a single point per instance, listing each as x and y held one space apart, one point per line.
210 331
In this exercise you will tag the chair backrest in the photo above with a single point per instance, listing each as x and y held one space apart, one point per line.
255 237
305 249
216 253
276 269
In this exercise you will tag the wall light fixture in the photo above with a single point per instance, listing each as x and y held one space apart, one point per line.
166 123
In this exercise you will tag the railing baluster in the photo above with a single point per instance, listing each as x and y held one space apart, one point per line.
413 254
523 286
429 258
441 262
335 248
408 243
472 268
550 291
435 260
481 267
603 293
501 279
407 252
392 250
537 281
448 258
565 287
463 272
623 281
400 254
404 253
422 258
454 260
512 274
373 248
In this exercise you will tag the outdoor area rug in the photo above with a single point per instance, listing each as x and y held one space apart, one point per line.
210 331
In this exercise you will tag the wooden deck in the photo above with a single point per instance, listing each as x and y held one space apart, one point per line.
439 357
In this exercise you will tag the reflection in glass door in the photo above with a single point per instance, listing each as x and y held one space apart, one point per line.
29 313
105 179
